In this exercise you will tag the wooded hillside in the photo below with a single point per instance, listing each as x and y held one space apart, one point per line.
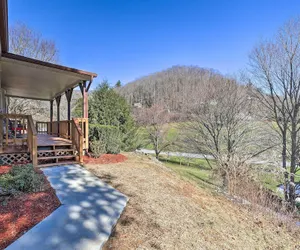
176 88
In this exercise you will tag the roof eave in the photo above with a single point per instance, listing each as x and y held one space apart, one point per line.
47 64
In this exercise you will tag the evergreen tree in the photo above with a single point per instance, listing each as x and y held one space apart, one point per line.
106 107
118 84
110 119
77 111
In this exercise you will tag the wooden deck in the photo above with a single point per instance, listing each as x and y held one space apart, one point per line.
43 140
50 140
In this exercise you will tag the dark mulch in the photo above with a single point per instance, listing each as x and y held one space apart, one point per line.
105 159
20 213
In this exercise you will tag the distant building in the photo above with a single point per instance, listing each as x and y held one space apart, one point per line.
137 105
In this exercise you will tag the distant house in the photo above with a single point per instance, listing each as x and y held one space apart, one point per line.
137 105
21 138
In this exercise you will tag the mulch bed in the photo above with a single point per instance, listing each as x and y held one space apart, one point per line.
4 169
105 159
20 213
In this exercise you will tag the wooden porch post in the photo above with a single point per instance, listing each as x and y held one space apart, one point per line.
51 117
85 105
58 112
84 87
69 93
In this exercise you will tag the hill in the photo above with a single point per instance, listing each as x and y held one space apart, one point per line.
175 88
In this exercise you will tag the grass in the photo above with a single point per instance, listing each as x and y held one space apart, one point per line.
193 162
167 212
272 181
197 170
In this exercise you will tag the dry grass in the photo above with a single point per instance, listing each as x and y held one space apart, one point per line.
167 212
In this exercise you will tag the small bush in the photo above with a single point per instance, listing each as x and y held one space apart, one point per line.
113 145
298 204
22 178
98 148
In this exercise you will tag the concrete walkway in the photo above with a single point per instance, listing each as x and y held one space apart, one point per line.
90 208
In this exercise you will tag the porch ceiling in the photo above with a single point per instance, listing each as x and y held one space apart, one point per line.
33 79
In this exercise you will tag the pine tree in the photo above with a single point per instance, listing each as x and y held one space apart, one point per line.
118 84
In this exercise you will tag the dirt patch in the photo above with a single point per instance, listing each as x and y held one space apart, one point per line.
20 213
167 212
105 159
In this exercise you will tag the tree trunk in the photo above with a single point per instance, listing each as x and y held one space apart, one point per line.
286 174
156 154
225 177
156 148
292 195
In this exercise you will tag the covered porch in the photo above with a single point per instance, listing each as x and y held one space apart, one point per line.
43 142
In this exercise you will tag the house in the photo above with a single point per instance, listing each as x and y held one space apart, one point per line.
21 138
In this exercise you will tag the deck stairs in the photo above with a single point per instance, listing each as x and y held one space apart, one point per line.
49 155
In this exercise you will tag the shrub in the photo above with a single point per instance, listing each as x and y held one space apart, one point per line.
109 136
132 140
22 178
298 203
113 144
98 148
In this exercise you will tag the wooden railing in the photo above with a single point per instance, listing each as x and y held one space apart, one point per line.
77 139
16 130
83 123
42 127
65 129
61 129
32 140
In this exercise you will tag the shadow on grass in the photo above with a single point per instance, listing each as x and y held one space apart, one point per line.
191 164
89 211
202 179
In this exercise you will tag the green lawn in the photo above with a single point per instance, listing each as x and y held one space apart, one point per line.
197 170
271 181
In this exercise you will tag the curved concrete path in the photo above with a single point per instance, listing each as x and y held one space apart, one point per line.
90 209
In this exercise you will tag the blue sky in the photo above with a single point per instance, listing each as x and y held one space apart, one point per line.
127 39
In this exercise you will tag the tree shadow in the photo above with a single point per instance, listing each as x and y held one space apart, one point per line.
90 209
191 164
203 180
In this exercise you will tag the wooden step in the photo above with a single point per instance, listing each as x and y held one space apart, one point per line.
56 164
56 150
56 157
55 145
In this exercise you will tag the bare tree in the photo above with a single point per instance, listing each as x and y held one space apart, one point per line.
30 107
26 42
275 68
221 125
154 121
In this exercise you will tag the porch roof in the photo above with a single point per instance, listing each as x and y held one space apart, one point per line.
33 79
